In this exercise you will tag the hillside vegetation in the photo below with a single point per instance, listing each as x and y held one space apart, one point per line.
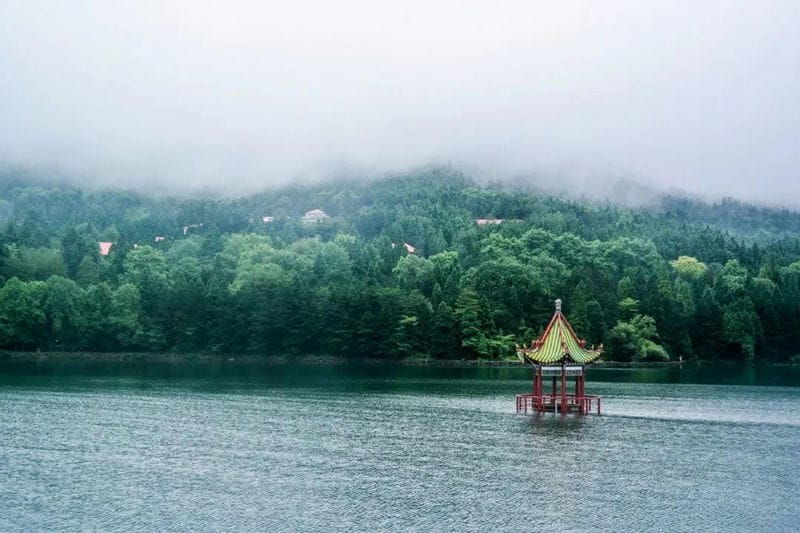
398 268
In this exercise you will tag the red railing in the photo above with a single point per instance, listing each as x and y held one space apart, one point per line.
553 403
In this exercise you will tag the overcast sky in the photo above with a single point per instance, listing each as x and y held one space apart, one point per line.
702 96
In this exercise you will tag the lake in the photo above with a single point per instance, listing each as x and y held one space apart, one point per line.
276 447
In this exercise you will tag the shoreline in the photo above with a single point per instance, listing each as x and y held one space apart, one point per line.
190 358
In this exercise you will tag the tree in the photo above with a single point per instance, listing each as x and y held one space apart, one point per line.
63 306
414 272
146 270
689 268
635 340
75 246
624 342
706 328
741 327
628 308
125 320
22 314
29 264
444 335
88 272
98 330
470 323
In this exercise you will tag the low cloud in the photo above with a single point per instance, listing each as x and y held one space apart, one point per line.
238 96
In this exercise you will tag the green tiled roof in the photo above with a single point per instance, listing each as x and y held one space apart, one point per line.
558 342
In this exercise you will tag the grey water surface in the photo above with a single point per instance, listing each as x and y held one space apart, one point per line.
245 447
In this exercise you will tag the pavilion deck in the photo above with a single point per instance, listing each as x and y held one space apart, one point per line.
557 403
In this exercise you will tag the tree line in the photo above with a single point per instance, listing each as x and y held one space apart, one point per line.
680 278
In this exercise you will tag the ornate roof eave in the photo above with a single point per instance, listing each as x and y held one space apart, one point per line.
564 348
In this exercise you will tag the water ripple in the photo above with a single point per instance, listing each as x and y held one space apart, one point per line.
189 456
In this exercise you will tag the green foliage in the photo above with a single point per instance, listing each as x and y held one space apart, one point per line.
741 326
686 279
34 263
628 308
22 313
635 340
689 267
624 344
472 323
651 351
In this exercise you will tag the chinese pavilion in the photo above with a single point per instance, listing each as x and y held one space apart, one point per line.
558 354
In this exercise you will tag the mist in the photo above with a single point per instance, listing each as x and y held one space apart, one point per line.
239 96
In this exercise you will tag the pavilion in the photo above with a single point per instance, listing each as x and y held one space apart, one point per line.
558 354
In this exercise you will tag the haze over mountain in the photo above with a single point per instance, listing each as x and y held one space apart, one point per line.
184 95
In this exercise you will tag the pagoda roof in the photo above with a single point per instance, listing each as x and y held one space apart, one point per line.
557 344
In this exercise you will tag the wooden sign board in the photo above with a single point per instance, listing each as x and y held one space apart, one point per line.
555 371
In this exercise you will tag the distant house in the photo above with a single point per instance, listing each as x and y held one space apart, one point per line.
105 247
159 238
410 249
488 221
190 227
267 220
315 215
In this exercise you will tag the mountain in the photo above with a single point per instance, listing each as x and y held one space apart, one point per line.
424 264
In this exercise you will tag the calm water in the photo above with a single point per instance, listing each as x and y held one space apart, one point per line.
119 446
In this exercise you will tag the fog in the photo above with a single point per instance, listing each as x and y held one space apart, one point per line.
237 96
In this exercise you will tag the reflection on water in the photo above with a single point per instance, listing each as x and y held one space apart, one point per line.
376 377
159 446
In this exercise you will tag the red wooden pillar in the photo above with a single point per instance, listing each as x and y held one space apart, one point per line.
563 391
589 403
540 388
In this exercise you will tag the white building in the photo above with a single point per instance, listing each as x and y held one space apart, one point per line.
314 215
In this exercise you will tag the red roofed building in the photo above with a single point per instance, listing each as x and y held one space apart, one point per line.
105 247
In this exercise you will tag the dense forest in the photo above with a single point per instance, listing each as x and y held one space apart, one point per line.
427 264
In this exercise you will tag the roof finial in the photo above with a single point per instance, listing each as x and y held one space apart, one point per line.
558 305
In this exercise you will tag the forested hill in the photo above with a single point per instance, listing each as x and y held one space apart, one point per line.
426 264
